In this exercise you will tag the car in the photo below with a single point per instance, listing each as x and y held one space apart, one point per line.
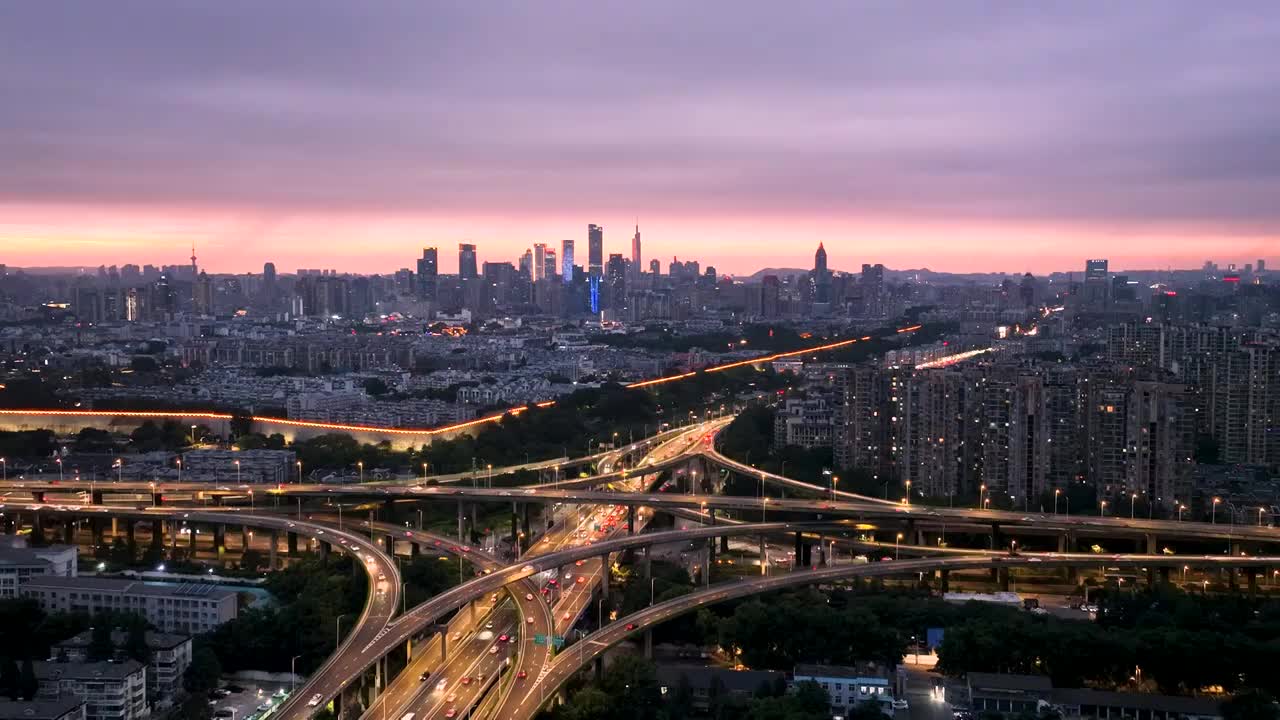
581 580
529 620
493 598
565 617
442 684
528 596
522 675
488 625
423 677
453 697
631 626
451 712
467 680
456 636
382 578
315 700
493 650
579 563
503 637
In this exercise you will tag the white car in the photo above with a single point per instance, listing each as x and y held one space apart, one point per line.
315 700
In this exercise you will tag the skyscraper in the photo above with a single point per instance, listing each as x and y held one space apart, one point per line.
566 260
636 261
655 267
467 261
428 274
526 264
549 264
595 250
539 261
1095 282
821 277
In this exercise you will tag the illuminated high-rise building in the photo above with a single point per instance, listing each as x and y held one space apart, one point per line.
595 250
566 260
539 261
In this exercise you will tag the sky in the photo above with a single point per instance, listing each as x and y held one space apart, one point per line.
959 136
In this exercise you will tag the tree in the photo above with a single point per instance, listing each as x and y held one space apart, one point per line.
590 704
100 645
376 386
135 645
1250 705
10 678
241 424
632 683
202 674
250 560
27 684
196 707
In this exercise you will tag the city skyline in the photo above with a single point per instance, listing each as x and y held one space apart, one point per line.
1025 138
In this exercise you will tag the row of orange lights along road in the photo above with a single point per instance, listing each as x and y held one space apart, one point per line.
164 415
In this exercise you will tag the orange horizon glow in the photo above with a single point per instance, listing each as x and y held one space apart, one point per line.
238 240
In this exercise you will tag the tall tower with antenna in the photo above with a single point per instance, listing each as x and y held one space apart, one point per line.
194 272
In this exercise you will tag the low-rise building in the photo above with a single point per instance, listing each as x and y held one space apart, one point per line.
184 608
62 709
1012 695
170 656
850 686
19 563
109 690
706 683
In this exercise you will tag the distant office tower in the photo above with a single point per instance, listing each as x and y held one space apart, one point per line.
636 267
770 290
821 276
526 264
1262 265
269 273
203 294
1094 292
467 261
616 279
549 264
566 261
872 283
595 250
428 274
655 268
539 261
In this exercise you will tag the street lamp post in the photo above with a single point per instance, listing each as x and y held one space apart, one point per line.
1181 507
179 461
982 494
193 434
299 464
908 493
1133 498
360 467
1259 517
1213 513
237 464
897 539
59 462
293 672
1056 493
1103 506
337 631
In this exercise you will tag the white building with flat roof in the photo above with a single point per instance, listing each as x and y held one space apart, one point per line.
182 608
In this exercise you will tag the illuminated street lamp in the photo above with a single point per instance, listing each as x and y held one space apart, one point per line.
1103 506
982 494
237 464
908 492
1133 498
360 466
4 470
1056 493
119 469
59 461
299 464
1213 514
1181 507
179 461
897 539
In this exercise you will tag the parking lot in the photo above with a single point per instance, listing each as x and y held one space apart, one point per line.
251 702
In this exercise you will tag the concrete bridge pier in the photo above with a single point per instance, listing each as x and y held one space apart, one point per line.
1004 579
414 549
647 565
271 557
997 540
631 519
98 529
388 544
37 527
325 549
515 523
220 538
1251 574
604 575
648 644
95 497
37 496
246 537
711 559
1153 544
191 539
460 518
291 544
69 532
524 520
130 532
946 580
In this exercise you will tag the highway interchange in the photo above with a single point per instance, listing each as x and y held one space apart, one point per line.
380 631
